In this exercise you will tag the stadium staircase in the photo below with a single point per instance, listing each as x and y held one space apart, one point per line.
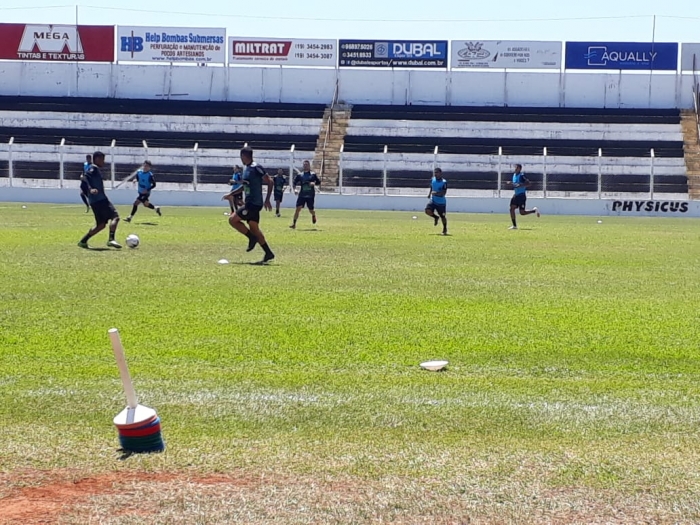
326 163
691 149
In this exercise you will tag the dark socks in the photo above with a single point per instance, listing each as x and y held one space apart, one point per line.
86 237
150 206
133 210
268 253
252 241
111 235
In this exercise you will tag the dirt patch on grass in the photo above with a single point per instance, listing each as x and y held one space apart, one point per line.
40 497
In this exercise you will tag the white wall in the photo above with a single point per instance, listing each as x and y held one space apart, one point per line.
260 84
595 207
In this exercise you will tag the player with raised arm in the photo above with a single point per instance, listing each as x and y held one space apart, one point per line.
103 209
235 196
146 182
438 201
520 183
307 194
280 183
84 190
253 179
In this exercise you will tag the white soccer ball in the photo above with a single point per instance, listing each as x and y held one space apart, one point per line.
132 241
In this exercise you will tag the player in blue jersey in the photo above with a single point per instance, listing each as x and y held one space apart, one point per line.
280 183
438 201
84 190
235 196
520 183
253 179
101 207
145 182
307 194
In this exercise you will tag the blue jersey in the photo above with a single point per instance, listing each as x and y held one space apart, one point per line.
86 166
438 186
253 175
145 181
519 178
304 180
236 181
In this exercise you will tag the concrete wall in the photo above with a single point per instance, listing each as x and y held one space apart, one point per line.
594 207
308 85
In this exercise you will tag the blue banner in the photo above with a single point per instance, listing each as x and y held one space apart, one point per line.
659 56
396 53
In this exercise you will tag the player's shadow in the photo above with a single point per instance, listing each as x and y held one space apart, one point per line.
91 249
308 230
441 235
256 263
147 223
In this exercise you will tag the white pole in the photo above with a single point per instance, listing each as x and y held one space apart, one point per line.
291 167
386 149
651 176
194 166
500 170
112 166
118 349
600 173
435 158
61 172
340 169
10 164
145 148
544 174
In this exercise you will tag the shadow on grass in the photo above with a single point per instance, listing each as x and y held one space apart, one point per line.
147 223
91 249
256 263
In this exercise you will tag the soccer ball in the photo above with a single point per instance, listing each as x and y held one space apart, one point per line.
132 241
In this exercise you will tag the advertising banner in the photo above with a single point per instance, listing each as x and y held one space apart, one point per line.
505 54
659 56
56 42
282 51
171 44
688 51
396 53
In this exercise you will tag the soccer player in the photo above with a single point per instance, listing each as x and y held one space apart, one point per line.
438 201
235 196
103 209
84 190
307 194
520 183
253 178
280 183
146 182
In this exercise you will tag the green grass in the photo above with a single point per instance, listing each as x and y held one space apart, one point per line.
572 386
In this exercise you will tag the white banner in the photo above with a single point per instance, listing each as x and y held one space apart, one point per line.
687 53
282 51
503 54
171 44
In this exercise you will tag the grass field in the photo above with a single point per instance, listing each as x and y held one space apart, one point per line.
291 393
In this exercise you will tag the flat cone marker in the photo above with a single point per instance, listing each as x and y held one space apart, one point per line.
138 425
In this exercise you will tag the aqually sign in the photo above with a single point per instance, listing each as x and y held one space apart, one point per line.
659 56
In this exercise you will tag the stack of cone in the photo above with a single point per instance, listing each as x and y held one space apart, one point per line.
139 430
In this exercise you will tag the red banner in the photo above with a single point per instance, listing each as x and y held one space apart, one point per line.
57 43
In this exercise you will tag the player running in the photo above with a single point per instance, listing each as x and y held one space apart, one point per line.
84 190
307 194
235 196
520 183
438 201
280 183
103 209
146 182
253 178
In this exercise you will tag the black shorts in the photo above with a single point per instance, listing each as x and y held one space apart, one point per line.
440 208
518 200
279 196
249 212
143 197
104 211
307 201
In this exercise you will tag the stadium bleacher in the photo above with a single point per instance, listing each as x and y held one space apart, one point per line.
580 143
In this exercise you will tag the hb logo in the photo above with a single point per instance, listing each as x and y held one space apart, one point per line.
132 44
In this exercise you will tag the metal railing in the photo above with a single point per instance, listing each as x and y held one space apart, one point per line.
329 128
